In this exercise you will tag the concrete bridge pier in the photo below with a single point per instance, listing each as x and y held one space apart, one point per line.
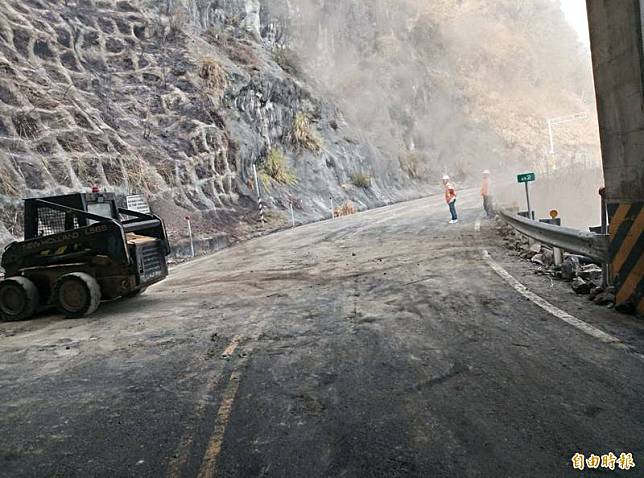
617 48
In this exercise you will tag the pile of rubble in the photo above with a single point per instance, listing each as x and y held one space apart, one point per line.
584 275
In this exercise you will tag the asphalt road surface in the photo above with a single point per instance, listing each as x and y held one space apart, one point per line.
382 344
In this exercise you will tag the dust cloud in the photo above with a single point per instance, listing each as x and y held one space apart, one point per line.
460 86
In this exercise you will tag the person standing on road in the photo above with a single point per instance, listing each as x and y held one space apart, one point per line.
450 198
486 193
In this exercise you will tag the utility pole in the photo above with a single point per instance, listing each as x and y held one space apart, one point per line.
559 121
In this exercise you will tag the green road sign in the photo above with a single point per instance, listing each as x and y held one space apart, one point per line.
526 178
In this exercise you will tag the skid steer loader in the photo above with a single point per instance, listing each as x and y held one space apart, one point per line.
79 249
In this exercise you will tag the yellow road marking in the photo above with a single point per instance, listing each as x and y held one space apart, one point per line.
183 451
228 351
209 462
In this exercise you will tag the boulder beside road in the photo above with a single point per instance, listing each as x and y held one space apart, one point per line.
584 276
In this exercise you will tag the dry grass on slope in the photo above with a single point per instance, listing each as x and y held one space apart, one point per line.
213 76
303 136
275 168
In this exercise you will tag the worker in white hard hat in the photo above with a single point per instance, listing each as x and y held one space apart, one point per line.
486 193
450 198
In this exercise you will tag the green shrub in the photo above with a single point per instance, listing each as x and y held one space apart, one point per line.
275 168
361 180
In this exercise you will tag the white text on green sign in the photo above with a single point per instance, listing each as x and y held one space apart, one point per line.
526 178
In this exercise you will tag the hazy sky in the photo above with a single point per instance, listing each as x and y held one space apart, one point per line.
575 11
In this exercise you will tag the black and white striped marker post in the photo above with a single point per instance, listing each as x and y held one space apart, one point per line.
259 196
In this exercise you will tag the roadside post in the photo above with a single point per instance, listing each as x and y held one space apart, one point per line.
259 196
525 179
192 244
555 220
292 213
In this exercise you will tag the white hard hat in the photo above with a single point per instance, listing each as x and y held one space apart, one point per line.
446 177
487 171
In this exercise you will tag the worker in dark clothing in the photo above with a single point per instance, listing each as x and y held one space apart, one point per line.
486 193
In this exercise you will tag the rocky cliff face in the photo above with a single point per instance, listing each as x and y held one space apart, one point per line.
178 99
467 85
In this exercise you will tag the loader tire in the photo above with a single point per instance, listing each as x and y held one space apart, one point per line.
19 299
77 294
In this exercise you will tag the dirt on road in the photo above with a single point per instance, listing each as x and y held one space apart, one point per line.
381 344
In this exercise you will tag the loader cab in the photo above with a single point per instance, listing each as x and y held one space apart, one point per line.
80 249
101 204
41 220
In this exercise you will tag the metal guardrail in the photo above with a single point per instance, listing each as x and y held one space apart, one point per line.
588 244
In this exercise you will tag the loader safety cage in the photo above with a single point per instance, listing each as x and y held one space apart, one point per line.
58 229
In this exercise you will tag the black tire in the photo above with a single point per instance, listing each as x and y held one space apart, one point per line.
19 299
77 294
135 293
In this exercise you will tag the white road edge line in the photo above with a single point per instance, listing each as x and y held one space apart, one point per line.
556 311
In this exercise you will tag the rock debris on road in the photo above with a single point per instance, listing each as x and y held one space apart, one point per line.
381 344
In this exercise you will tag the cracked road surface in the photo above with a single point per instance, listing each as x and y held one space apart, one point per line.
380 344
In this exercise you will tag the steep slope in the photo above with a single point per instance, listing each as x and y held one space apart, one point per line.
467 84
363 101
176 106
